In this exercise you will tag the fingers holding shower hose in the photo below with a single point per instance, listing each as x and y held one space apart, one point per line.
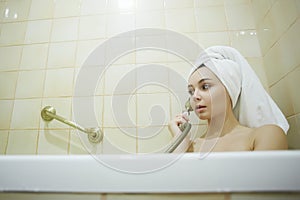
182 118
179 120
179 127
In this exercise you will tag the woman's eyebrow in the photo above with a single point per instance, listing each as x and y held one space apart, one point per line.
199 82
204 79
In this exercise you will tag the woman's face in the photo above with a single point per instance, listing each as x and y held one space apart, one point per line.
209 97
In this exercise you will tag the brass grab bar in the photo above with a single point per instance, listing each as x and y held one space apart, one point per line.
95 135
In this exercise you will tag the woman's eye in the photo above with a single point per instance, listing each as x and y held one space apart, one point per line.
191 92
205 86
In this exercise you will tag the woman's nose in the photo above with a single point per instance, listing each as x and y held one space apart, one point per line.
196 96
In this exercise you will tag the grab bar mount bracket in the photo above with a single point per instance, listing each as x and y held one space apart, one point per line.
44 114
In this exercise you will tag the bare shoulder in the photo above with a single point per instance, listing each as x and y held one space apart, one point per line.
269 137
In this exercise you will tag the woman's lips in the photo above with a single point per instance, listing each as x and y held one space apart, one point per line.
200 108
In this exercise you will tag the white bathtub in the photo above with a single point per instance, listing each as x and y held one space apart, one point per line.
156 173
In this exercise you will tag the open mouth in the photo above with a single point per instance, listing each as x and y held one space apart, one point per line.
200 108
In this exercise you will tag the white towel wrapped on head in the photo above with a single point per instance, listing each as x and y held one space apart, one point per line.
252 105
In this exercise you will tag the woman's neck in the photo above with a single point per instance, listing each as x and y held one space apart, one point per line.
221 125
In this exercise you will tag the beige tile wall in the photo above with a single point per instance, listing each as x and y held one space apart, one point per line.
278 27
43 44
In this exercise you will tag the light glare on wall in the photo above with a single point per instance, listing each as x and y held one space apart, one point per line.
6 12
126 4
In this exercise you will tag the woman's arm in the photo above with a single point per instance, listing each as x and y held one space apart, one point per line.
270 137
185 145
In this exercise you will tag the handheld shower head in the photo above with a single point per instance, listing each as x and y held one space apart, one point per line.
188 106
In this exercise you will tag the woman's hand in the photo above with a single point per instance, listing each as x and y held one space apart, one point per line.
176 122
175 130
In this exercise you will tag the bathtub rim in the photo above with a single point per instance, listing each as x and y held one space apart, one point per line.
18 176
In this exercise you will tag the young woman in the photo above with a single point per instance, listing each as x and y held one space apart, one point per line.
240 114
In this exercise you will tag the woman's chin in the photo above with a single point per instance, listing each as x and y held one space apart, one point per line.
203 117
